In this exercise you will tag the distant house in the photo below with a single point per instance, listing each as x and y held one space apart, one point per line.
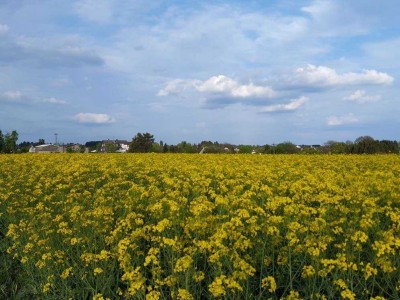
119 146
46 148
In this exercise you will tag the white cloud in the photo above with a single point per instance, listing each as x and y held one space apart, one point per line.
360 96
175 86
3 29
54 101
92 118
12 95
227 86
321 76
291 106
219 86
342 120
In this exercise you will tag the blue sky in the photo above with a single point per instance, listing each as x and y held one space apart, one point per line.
244 72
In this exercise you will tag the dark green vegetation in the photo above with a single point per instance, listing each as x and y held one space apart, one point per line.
145 142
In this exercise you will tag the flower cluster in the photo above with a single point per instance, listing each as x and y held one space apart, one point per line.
154 226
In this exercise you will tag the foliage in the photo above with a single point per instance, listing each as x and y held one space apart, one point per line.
368 145
93 145
72 148
1 142
8 142
142 142
286 148
200 227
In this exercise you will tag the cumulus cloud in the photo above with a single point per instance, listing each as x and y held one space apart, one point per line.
360 96
227 86
322 77
342 120
220 85
291 106
175 86
92 118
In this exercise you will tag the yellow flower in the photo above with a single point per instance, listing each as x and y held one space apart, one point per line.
198 276
183 263
217 286
369 271
153 295
184 295
293 295
97 271
270 283
308 271
66 273
99 296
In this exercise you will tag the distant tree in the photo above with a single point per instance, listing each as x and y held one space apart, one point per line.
365 144
156 147
142 142
267 149
386 146
1 142
93 145
186 147
24 147
72 148
10 142
365 138
335 147
110 147
286 148
172 149
165 148
41 142
245 148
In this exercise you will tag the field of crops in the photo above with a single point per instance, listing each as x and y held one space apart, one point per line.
154 226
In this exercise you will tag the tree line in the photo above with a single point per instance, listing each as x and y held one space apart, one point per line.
145 142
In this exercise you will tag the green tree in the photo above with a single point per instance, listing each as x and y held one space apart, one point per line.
10 142
93 145
335 147
165 148
286 148
365 144
186 147
245 148
142 143
1 142
110 147
24 147
386 146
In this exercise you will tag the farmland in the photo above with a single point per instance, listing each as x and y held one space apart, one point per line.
154 226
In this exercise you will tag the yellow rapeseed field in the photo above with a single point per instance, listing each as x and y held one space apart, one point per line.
176 226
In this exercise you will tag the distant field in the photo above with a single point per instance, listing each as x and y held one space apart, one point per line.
162 226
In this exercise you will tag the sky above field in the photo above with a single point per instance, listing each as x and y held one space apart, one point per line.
244 72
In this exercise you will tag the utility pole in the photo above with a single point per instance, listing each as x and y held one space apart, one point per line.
56 135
